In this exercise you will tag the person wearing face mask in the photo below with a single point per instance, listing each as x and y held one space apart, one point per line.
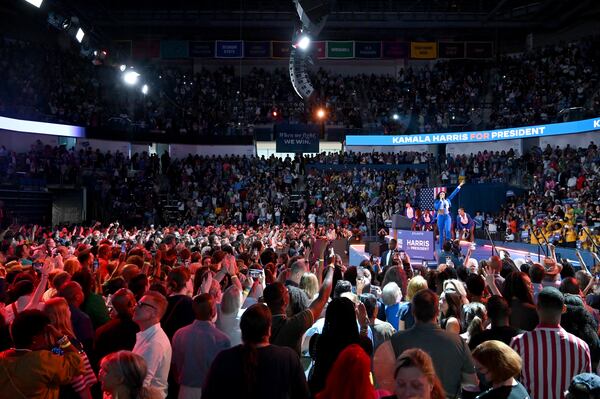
195 347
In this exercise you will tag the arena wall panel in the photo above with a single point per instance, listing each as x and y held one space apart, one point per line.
183 150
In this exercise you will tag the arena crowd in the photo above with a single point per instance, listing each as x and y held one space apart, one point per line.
47 82
269 311
559 203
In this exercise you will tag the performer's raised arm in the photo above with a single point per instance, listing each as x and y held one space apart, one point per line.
456 190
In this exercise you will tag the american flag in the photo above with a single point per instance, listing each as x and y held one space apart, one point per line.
427 197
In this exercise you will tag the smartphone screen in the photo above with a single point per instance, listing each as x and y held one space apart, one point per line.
123 248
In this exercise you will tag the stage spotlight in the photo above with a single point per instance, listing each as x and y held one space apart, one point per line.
131 77
145 89
122 68
79 35
304 42
320 113
395 117
66 24
301 40
274 113
37 3
99 57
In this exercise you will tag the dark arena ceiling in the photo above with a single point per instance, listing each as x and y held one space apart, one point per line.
268 19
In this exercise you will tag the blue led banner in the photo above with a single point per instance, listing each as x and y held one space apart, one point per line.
297 138
417 244
554 129
229 49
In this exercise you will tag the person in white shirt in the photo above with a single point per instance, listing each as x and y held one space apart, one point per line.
151 342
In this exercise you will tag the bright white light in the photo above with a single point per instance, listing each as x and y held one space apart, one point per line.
37 3
395 117
304 42
145 89
321 113
131 77
80 34
122 68
54 129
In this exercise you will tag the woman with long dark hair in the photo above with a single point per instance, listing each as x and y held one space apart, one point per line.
518 291
444 219
341 329
451 312
256 369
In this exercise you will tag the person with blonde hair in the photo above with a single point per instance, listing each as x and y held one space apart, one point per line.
122 376
499 364
57 310
415 377
457 286
229 316
310 284
405 317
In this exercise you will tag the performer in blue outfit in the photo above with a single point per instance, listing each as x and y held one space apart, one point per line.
442 210
465 225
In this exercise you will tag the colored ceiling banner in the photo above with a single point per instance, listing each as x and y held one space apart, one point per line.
480 50
260 49
281 49
394 49
143 49
340 50
319 49
451 50
171 49
367 49
423 50
229 49
121 50
205 49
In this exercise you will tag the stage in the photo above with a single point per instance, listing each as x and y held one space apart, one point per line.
484 250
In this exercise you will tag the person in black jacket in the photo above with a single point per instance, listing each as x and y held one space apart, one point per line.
388 256
256 369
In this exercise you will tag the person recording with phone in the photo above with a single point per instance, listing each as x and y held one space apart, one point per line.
448 256
32 367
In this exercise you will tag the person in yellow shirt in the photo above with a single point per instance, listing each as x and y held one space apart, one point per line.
570 235
585 236
30 370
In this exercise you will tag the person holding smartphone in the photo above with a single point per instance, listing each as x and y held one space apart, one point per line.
31 366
